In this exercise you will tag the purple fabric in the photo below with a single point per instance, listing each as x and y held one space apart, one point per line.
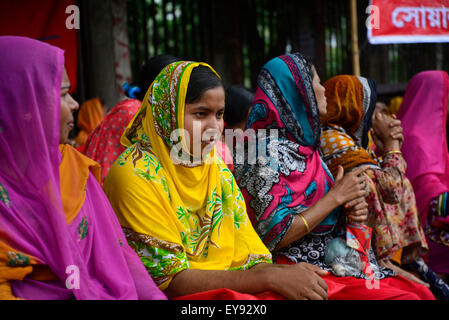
424 116
32 219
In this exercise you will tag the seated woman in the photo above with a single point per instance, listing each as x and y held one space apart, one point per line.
393 215
424 120
179 205
59 237
291 197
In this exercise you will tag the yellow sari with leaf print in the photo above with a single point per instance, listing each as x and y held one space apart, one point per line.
178 216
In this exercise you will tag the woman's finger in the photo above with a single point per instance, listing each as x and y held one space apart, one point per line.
353 203
395 123
321 292
361 205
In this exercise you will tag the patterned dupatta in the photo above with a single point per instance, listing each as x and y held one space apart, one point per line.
289 176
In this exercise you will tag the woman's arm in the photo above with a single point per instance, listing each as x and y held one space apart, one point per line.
300 281
347 189
387 133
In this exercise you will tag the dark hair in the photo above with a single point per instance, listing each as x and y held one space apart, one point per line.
202 79
149 71
238 101
311 66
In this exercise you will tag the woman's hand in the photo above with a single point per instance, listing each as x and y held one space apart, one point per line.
386 132
348 187
357 210
301 281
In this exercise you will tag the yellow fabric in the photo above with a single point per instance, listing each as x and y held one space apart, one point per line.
178 216
394 105
13 266
89 117
397 256
73 174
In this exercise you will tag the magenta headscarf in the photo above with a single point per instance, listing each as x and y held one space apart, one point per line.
32 220
424 115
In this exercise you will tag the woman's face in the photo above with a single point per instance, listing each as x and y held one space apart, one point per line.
319 93
68 106
203 121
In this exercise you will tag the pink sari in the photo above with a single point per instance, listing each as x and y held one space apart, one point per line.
89 257
424 116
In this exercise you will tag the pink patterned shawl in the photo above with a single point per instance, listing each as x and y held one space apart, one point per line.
289 175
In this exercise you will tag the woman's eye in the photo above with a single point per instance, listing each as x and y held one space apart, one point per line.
220 115
200 114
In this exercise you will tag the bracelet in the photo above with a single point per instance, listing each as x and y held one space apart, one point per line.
305 222
392 152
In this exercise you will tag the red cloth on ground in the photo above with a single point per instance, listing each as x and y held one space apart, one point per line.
339 288
226 294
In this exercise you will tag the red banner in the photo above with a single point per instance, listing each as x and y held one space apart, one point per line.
408 21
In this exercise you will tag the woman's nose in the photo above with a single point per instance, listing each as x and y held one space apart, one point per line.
74 104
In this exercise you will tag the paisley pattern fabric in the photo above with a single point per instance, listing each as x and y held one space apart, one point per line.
289 175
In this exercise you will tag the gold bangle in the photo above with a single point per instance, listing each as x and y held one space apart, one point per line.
305 222
392 152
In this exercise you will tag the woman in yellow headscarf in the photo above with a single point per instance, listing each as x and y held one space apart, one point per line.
89 117
179 204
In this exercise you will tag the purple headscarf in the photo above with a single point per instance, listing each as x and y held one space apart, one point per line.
32 219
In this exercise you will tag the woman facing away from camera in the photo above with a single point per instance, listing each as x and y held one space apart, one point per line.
59 237
292 199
